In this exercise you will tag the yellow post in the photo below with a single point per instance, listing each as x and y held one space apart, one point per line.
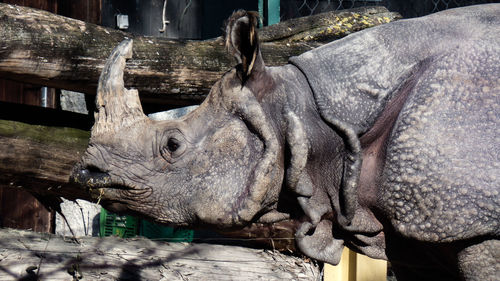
356 267
340 271
368 269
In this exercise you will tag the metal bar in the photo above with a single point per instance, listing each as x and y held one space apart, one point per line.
261 12
44 102
273 11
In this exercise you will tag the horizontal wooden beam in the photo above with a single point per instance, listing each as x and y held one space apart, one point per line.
35 256
46 49
39 158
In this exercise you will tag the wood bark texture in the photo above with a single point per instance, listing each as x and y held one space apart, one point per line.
47 49
26 255
40 158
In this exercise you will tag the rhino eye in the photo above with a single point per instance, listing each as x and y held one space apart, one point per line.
173 145
172 149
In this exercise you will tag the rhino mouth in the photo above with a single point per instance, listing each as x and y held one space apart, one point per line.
115 206
100 187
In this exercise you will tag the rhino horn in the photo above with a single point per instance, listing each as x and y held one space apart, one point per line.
116 106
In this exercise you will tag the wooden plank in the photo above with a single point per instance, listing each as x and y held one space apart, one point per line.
19 209
24 93
10 91
47 5
85 10
49 257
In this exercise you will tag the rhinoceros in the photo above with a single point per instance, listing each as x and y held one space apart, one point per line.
386 141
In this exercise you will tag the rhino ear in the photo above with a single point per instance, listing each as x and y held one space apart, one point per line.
242 42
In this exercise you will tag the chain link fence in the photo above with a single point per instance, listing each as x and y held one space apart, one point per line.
407 8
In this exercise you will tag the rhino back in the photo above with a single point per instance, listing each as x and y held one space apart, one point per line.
353 78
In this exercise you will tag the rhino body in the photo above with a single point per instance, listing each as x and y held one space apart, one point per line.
386 141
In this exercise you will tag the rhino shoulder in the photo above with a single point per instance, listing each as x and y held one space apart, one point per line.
353 78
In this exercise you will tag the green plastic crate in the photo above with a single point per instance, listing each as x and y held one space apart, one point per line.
121 226
165 233
128 226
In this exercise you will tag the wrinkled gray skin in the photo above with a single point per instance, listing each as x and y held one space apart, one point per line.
386 141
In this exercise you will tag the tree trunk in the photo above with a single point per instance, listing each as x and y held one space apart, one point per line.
34 256
51 50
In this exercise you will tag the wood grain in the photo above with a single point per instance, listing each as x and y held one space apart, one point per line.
49 257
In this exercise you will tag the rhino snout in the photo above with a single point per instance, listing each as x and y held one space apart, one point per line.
101 187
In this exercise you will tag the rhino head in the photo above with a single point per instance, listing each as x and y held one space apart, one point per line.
254 151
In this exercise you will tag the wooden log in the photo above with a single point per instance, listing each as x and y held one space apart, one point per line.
47 49
39 158
25 255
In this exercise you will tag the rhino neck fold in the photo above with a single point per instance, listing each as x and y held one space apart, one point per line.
347 204
340 195
267 176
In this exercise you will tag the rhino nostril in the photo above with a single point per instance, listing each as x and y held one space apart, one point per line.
91 169
91 177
